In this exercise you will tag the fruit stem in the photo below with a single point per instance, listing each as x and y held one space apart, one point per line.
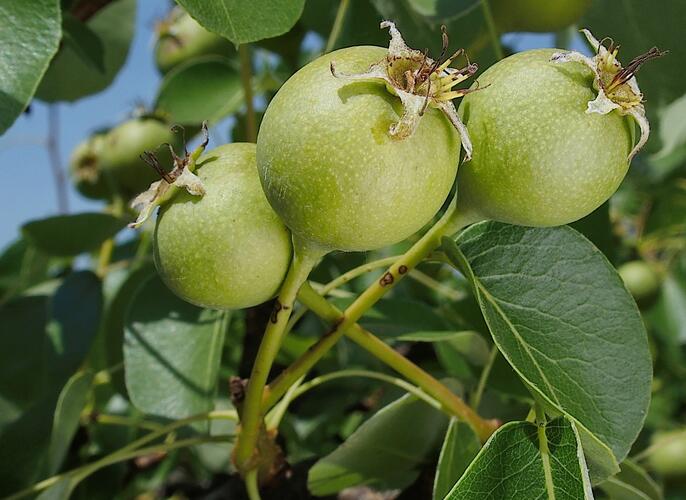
337 25
305 257
492 30
251 485
107 248
246 81
449 223
449 401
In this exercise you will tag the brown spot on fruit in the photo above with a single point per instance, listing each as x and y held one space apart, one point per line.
402 269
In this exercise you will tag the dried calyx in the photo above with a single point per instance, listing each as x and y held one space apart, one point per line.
419 82
181 176
616 85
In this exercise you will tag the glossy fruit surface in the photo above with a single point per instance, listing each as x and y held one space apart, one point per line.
84 168
539 159
181 38
226 249
669 458
123 145
330 168
537 15
641 280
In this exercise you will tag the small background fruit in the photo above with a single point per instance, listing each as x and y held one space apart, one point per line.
123 145
641 280
539 159
181 38
669 459
84 168
226 249
330 168
537 15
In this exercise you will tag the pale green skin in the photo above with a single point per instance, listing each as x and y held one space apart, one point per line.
191 40
539 159
123 145
537 15
330 168
669 459
640 279
226 249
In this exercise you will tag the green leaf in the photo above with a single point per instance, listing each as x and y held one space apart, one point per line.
673 127
631 483
563 319
119 288
420 23
22 343
669 314
386 452
521 461
75 312
61 490
244 22
29 36
172 351
83 41
460 447
207 88
396 317
69 235
597 227
360 27
71 402
43 343
468 343
70 77
442 10
21 266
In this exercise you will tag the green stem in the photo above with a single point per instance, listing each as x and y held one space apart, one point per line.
341 280
246 81
492 30
449 401
337 25
436 286
273 418
105 255
545 451
304 259
251 485
402 384
449 223
77 475
485 373
127 422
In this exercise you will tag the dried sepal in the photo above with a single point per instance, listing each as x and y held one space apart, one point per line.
180 177
419 81
616 85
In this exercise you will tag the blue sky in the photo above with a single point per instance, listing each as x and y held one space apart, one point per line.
27 191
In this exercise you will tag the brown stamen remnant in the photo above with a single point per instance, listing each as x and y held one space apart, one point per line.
181 176
626 74
420 82
616 85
